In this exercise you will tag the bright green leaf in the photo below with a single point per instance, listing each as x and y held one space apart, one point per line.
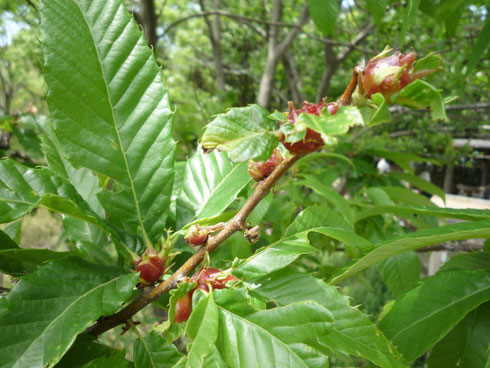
419 95
153 352
427 313
480 47
466 345
456 213
418 239
43 316
19 261
112 115
329 194
202 329
468 261
329 125
84 350
401 272
295 322
377 8
419 183
244 132
23 189
211 183
411 11
352 332
324 14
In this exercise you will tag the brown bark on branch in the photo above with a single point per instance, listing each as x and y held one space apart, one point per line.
236 224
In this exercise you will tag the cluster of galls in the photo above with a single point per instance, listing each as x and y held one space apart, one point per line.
382 74
206 279
151 267
312 140
310 143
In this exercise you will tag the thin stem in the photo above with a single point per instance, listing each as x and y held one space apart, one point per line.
234 225
345 99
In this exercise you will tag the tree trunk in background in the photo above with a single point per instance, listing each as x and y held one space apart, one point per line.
293 77
148 19
214 28
331 66
276 51
333 62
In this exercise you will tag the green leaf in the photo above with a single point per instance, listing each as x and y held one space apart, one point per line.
319 219
116 360
329 125
325 155
419 183
6 242
377 9
275 256
419 94
412 241
19 261
466 344
428 62
23 189
113 114
27 136
352 332
83 180
456 213
211 183
404 159
331 195
312 357
153 352
14 231
404 195
179 172
47 309
480 47
324 14
296 322
446 8
84 350
77 230
401 272
408 18
427 313
202 329
271 330
316 217
468 261
377 112
244 132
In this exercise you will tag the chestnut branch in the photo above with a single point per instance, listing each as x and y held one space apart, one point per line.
236 224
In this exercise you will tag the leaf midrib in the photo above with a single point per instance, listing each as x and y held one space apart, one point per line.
446 306
341 332
215 189
123 153
147 350
65 310
262 329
